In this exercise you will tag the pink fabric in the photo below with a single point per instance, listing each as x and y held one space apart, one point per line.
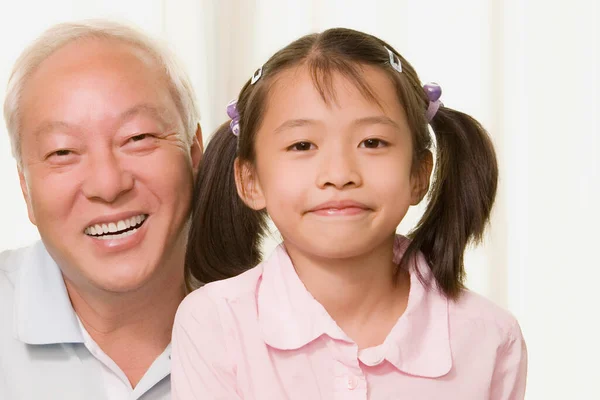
262 336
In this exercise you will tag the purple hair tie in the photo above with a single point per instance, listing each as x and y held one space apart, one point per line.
434 92
232 112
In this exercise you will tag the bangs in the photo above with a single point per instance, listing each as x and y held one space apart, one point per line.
322 70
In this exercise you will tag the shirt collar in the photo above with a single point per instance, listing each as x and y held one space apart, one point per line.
43 311
159 370
419 343
289 316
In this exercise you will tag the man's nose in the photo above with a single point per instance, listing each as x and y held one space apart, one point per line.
106 178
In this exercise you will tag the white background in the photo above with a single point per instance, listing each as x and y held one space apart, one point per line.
528 70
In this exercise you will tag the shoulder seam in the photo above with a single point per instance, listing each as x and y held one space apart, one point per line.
510 337
216 302
4 276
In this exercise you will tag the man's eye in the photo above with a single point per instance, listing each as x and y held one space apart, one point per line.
61 157
301 146
373 143
60 153
140 137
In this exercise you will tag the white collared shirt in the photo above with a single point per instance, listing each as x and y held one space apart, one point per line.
44 351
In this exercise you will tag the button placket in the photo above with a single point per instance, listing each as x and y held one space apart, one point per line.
352 382
349 381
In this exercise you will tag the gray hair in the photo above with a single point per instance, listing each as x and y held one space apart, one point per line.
62 34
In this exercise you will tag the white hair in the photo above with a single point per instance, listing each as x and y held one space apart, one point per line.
62 34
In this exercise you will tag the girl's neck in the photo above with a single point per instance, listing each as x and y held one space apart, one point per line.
365 295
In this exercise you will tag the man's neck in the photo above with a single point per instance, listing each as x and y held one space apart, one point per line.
132 328
364 295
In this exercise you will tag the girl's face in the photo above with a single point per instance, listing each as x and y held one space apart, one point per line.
335 178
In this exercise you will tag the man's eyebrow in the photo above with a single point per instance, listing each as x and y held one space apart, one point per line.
48 126
295 123
160 114
377 119
157 113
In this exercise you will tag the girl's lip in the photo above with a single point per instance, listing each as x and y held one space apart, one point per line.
344 211
347 206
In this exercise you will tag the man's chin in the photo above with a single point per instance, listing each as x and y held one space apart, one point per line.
121 278
121 287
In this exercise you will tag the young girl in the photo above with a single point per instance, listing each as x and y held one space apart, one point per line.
330 139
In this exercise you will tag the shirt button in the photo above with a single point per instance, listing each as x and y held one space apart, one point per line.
352 383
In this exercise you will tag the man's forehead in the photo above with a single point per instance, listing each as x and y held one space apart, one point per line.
88 63
96 51
129 78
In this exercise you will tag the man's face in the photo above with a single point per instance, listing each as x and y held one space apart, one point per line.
106 175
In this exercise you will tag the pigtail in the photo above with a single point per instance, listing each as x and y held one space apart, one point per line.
225 235
461 198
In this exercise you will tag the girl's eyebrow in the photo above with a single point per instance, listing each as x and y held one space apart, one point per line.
375 120
372 120
295 123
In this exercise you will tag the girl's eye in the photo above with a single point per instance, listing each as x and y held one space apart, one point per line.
373 143
301 146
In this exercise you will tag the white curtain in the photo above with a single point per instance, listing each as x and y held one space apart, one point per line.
528 70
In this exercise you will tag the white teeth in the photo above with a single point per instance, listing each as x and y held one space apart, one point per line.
118 235
113 227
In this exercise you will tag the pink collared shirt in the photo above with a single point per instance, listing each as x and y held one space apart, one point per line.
262 336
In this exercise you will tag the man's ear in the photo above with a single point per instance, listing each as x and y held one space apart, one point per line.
197 149
25 191
248 186
421 177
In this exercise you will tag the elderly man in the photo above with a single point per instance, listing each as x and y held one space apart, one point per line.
104 128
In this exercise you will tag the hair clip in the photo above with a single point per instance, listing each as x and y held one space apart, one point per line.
232 112
256 76
434 92
394 60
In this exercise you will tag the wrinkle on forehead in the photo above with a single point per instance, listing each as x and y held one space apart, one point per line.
95 53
